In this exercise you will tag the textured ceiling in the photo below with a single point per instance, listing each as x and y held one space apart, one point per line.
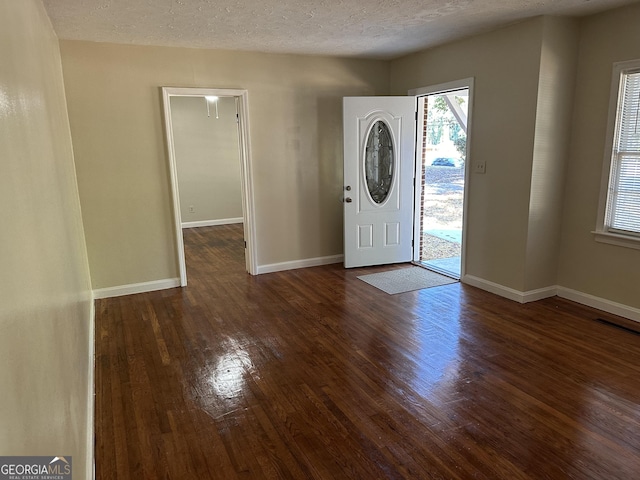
360 28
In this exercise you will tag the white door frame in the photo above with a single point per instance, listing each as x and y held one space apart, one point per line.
248 210
431 90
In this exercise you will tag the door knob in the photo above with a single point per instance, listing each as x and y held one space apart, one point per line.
348 200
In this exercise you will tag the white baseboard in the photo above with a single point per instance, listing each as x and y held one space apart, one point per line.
308 262
539 294
531 296
600 303
510 293
211 223
133 288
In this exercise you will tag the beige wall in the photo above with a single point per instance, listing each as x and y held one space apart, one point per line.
207 158
45 302
505 64
295 109
606 271
539 121
556 83
524 99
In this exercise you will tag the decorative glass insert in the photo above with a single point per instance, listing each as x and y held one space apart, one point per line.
379 162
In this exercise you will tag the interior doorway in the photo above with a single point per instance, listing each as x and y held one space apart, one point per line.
214 102
442 170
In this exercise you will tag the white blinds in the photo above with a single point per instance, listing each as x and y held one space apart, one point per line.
623 208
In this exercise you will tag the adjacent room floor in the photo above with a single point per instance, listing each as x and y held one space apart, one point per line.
314 374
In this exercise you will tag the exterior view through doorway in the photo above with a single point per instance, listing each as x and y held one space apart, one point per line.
441 168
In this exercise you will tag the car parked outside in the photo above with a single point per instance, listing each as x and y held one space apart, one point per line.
446 162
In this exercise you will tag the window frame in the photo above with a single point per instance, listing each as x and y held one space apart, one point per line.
602 232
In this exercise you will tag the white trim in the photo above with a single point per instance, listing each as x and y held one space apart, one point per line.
600 303
533 295
133 288
510 293
248 211
616 78
468 83
445 87
246 170
417 180
619 240
173 170
212 223
308 262
539 294
91 395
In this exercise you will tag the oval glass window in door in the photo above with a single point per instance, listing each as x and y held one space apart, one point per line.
379 162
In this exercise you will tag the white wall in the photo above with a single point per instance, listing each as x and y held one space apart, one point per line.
45 300
207 158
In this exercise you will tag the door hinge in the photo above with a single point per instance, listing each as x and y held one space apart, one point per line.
412 243
245 244
237 118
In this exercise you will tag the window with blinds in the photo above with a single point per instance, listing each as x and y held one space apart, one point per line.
623 197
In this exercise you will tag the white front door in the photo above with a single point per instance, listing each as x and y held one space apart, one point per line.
379 156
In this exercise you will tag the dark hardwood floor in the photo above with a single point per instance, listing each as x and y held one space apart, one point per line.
313 374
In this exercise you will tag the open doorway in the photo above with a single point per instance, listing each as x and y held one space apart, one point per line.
441 166
195 205
205 140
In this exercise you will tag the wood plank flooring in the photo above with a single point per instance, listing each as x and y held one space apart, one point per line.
313 374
